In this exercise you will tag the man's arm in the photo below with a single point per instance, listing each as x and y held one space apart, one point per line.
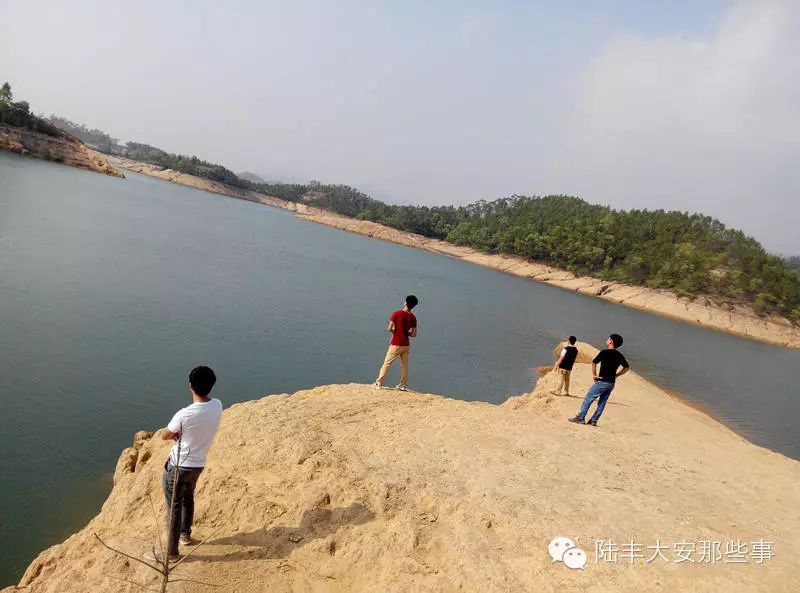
412 332
623 371
558 362
391 327
595 361
173 430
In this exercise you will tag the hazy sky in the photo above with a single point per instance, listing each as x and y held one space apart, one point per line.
689 105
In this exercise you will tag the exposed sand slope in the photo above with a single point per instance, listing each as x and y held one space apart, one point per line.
740 321
586 352
62 149
344 488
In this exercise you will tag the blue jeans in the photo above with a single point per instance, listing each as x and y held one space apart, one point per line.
601 390
183 511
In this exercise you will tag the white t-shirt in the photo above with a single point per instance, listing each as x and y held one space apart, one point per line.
197 424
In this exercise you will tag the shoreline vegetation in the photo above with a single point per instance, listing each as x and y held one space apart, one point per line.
738 320
301 497
686 266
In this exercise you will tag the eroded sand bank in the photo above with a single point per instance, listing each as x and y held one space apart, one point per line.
345 488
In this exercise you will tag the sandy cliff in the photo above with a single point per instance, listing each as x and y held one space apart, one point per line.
741 321
62 149
345 488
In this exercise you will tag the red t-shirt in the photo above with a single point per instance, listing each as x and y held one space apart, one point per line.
403 322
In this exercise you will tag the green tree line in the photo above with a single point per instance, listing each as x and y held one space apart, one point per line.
97 139
19 115
342 199
689 254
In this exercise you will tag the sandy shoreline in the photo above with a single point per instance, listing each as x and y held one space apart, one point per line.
344 488
740 321
215 187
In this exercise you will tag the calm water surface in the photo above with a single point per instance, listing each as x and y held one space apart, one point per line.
111 290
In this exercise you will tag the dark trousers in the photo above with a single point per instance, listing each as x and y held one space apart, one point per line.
183 510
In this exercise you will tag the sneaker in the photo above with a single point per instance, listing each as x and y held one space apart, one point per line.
577 420
185 540
592 423
402 387
377 385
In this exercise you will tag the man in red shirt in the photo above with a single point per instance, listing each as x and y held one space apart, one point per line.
402 326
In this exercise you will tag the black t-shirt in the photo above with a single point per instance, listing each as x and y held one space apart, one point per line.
610 360
569 358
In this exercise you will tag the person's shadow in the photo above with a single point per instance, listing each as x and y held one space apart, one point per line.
278 542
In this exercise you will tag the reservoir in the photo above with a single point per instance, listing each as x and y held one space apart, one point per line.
111 290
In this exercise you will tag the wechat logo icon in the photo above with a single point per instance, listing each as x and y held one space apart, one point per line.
564 549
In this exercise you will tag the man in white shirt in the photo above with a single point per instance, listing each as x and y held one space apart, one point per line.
193 428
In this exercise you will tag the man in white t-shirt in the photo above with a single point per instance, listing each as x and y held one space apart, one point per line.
193 429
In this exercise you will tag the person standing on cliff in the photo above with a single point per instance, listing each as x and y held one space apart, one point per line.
610 360
564 364
193 429
403 327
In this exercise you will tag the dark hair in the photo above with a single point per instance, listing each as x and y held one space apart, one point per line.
202 380
572 340
411 301
616 339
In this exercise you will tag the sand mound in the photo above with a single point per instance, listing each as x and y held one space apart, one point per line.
344 488
586 352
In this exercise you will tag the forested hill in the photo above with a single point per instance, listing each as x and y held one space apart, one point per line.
18 114
689 254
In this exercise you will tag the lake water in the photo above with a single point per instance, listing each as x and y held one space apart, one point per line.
111 290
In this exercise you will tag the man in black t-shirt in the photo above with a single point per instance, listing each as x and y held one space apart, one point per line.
610 360
564 366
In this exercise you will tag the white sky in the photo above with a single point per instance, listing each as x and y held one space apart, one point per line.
679 105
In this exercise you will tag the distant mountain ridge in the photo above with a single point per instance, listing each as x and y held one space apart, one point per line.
251 177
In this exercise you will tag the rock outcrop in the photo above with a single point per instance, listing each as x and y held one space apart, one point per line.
61 149
347 489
